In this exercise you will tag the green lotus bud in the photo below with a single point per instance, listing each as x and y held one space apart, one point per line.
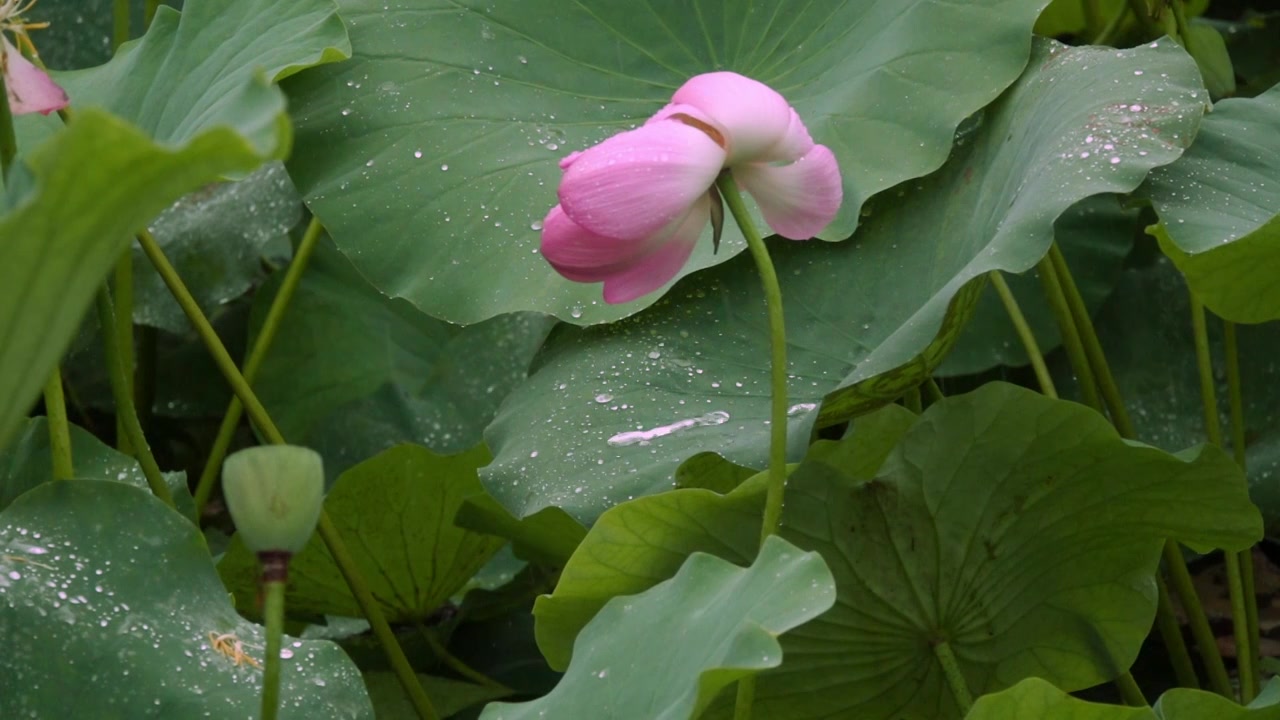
274 494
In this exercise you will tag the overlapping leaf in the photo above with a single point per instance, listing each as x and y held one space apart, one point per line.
1218 206
396 511
610 412
724 619
988 526
111 608
431 156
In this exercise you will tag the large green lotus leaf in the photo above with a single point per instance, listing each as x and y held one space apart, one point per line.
217 239
1035 698
352 372
1021 530
196 69
396 512
1096 235
1184 704
432 156
547 537
27 462
641 543
1150 310
989 525
111 609
725 621
52 260
1218 206
79 32
610 412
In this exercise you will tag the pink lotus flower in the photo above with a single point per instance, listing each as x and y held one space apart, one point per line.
29 88
633 207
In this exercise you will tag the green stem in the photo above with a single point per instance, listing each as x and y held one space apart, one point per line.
120 24
1143 15
257 354
778 390
328 532
149 11
745 698
1092 15
913 401
1235 395
777 356
55 410
1108 33
8 140
1057 301
1024 333
453 663
955 679
124 401
1092 348
934 392
1171 633
1206 644
1180 21
1213 429
123 286
273 610
1130 691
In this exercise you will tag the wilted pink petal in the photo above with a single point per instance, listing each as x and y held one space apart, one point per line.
579 254
797 200
656 268
29 88
636 183
752 116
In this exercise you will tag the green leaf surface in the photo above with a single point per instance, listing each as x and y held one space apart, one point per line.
990 524
396 512
1218 204
217 239
205 67
352 372
432 155
447 696
709 471
1095 235
725 620
641 543
610 412
1150 311
1035 698
1210 52
52 261
1184 704
1021 529
549 536
111 609
27 462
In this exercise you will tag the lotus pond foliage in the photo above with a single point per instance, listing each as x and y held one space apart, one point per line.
715 359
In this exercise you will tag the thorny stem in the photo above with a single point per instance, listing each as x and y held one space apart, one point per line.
778 388
1024 333
55 410
328 532
1213 429
955 679
257 354
124 401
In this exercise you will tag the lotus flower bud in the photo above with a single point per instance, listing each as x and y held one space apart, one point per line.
275 494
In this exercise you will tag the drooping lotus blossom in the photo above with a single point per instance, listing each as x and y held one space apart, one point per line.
633 207
28 88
